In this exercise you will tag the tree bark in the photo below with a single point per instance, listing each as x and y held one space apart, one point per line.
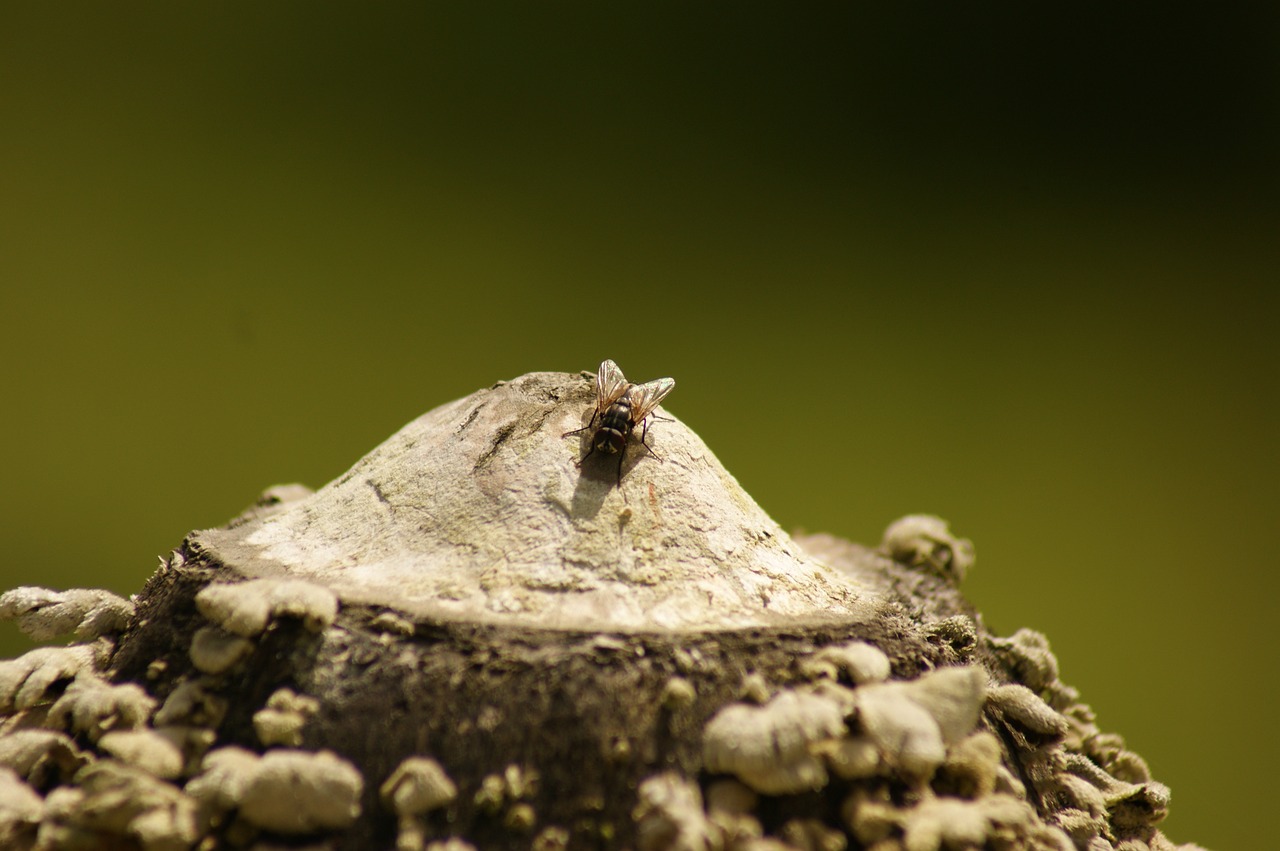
469 638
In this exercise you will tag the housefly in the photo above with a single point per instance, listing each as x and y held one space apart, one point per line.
620 407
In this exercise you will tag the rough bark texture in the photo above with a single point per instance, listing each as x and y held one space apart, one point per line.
467 638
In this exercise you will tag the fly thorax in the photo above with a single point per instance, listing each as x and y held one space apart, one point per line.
617 416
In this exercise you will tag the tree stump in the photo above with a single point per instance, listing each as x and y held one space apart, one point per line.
467 641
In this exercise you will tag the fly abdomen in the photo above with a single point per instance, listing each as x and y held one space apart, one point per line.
615 428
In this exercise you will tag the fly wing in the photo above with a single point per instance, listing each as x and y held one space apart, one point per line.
648 396
610 384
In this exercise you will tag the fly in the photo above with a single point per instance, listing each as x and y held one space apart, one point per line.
620 407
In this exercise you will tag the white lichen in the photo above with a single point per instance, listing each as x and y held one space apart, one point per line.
92 707
812 835
972 766
1026 711
869 814
453 843
772 748
856 662
117 800
192 703
246 608
912 721
1127 805
24 681
192 742
239 608
315 605
148 750
678 693
904 734
321 791
520 781
731 796
506 789
491 794
21 809
281 722
44 614
392 623
1109 751
551 838
417 786
520 817
938 823
223 777
56 829
731 810
1027 655
214 650
754 688
285 791
935 823
956 636
669 816
851 758
953 697
922 540
41 757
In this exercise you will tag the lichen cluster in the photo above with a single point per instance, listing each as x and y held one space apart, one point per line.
993 752
910 765
88 763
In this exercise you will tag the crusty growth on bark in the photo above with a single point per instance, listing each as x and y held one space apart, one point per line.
468 642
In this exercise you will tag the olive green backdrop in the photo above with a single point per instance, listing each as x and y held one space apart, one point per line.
1016 268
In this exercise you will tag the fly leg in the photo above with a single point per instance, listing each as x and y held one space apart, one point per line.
586 427
644 432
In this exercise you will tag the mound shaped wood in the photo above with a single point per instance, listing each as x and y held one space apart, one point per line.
469 639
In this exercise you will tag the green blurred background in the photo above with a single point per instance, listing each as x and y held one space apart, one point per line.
1014 267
